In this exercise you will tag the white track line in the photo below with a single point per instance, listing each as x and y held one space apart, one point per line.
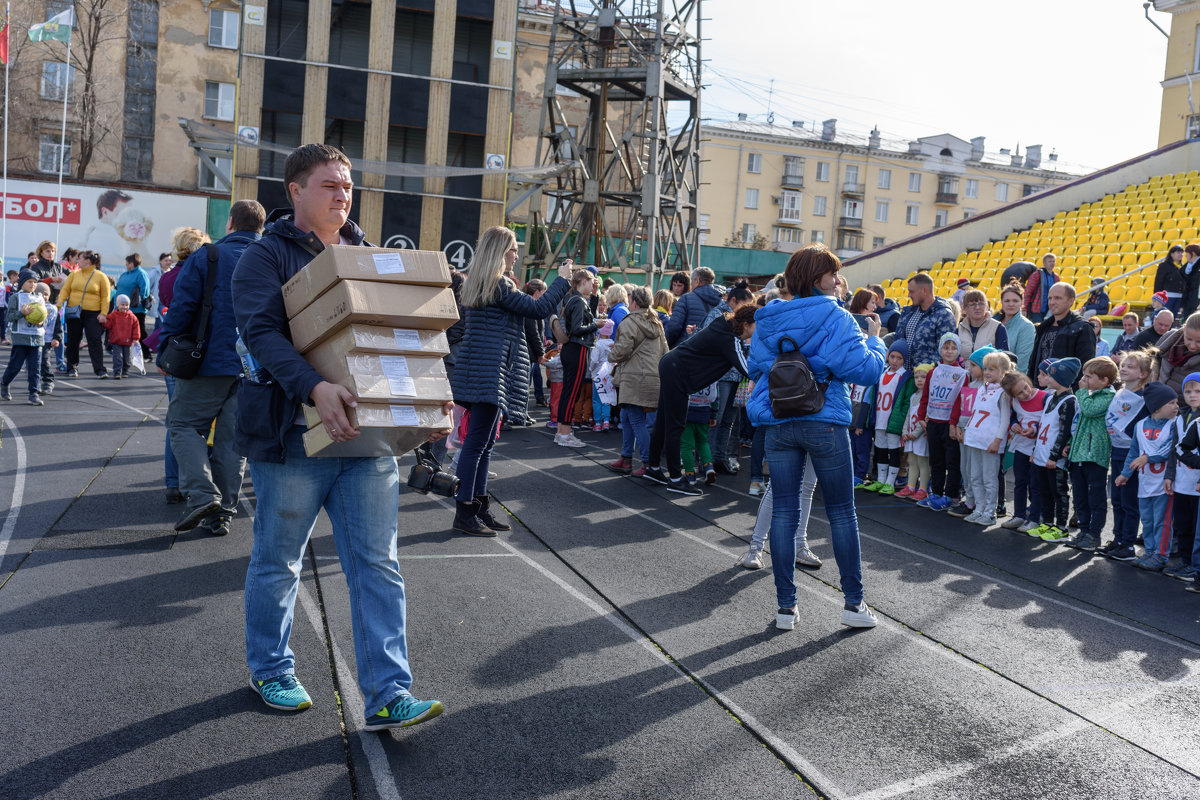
352 700
147 414
18 495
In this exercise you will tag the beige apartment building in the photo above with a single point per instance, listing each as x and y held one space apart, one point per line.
1180 115
788 185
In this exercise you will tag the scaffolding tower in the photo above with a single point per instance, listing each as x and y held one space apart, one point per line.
631 200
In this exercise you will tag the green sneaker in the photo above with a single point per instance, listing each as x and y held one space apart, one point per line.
402 712
283 692
874 486
887 488
1054 534
1039 530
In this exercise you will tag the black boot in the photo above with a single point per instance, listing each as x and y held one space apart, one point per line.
484 502
466 521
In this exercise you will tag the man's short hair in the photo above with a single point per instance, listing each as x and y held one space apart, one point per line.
246 215
305 158
1129 314
922 279
878 290
1192 249
1193 321
108 200
701 275
1069 288
1049 254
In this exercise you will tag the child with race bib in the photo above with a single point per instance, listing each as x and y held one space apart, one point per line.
1027 405
985 434
938 400
964 406
915 442
888 393
1090 451
1054 435
1182 480
1136 368
1151 448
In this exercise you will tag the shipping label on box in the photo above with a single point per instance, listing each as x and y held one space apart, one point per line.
383 429
343 262
373 376
377 304
398 341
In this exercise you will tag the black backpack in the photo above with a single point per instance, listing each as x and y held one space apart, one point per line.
794 390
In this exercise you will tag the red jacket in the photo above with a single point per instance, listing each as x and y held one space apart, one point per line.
122 327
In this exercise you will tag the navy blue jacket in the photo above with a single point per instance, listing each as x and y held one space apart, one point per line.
493 362
691 309
266 412
221 357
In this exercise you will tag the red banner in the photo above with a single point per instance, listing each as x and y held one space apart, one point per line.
37 208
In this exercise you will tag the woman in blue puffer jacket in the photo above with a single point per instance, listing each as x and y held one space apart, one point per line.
492 365
838 353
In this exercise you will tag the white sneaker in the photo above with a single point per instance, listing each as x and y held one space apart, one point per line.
1012 522
972 517
785 618
983 518
752 560
1028 525
858 617
807 558
567 440
756 488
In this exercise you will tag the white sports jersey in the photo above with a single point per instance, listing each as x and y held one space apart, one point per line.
1027 414
885 396
1049 428
989 418
1124 407
920 445
945 382
857 393
1186 478
1156 443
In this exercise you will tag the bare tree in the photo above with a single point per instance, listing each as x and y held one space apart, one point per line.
99 24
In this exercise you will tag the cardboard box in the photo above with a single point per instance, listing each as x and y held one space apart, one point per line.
343 262
375 376
385 429
382 304
393 341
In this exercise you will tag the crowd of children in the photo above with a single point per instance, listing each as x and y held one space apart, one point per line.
1086 437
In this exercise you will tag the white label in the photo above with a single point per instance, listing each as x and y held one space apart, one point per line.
502 49
255 15
389 263
404 416
402 387
407 340
395 369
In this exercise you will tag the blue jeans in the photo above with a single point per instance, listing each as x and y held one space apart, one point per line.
1088 484
29 357
170 465
788 444
361 496
475 456
1027 500
635 429
1156 524
727 415
758 447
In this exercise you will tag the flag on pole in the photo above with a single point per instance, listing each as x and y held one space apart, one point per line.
4 36
57 28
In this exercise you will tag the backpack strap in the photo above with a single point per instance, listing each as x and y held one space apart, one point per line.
210 283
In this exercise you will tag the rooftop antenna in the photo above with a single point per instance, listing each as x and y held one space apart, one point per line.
770 97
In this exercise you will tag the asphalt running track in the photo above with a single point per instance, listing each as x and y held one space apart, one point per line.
607 647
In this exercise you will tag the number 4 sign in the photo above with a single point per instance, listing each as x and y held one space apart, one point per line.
459 254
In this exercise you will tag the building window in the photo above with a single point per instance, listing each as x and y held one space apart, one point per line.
817 236
851 174
914 181
749 231
752 198
822 170
850 240
877 242
1028 189
754 163
218 101
793 166
819 206
852 209
1001 192
54 154
972 188
885 179
56 79
223 29
209 179
940 218
881 210
789 236
969 212
912 214
789 207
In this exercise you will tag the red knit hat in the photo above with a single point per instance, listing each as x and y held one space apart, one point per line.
1160 297
964 282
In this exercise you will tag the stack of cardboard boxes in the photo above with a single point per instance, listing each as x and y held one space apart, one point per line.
374 321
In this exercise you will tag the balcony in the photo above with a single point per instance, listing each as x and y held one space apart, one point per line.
853 188
946 199
792 181
850 222
789 216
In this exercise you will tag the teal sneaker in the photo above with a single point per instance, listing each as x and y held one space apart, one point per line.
283 692
402 712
